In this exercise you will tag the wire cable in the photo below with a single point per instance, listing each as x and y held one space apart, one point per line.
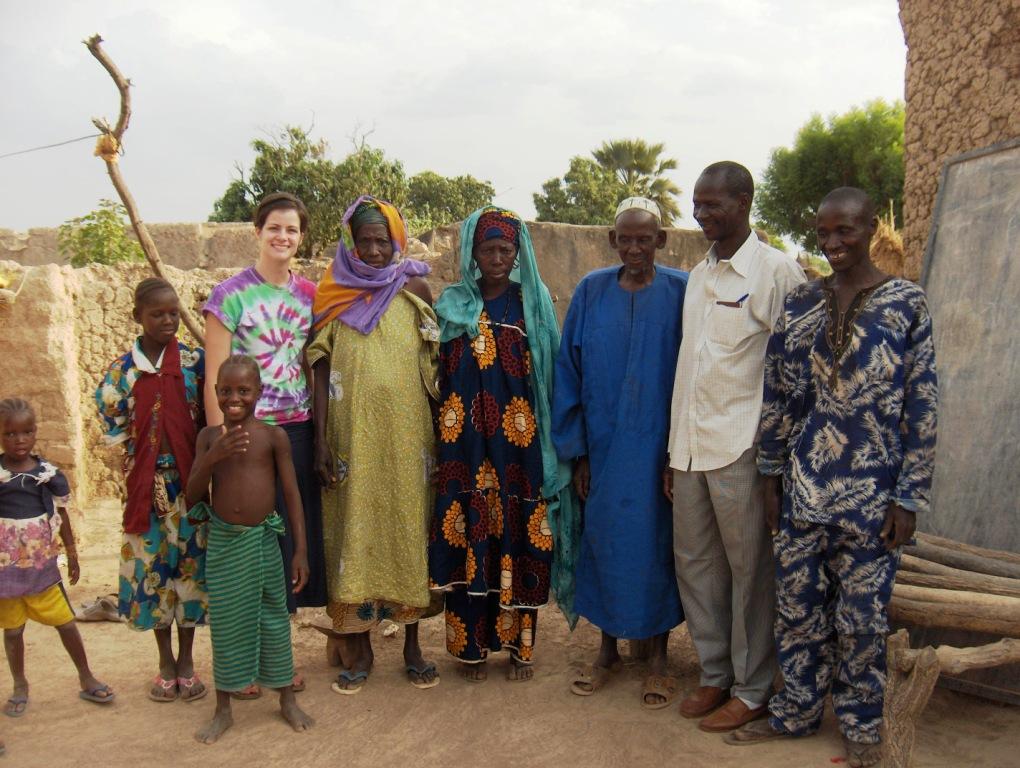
50 146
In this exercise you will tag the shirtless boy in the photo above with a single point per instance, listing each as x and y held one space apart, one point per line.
244 570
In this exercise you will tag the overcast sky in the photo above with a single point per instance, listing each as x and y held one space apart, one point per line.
504 91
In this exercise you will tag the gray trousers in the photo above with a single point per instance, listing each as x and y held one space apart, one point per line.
725 572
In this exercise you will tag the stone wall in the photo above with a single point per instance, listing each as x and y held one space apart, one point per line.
962 93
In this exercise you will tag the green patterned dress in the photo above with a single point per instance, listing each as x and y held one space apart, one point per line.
379 429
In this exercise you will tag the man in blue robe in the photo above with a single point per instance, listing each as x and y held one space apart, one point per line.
610 416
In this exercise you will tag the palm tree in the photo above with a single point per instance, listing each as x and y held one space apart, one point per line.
638 166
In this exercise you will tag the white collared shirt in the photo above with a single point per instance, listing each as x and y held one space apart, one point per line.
142 363
730 309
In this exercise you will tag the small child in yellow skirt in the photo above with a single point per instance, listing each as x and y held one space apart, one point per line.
33 497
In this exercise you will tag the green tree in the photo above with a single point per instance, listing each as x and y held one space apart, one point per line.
440 200
291 161
641 169
590 190
587 194
98 237
861 148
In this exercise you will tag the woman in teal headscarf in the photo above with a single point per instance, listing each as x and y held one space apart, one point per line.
503 504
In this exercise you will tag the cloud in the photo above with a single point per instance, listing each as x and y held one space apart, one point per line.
506 92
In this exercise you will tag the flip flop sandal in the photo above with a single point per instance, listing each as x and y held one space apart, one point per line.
166 686
93 695
297 684
186 684
415 675
100 609
662 686
592 677
351 678
247 693
15 700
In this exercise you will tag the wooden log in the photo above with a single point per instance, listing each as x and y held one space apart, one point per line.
1005 606
944 543
977 618
913 563
972 582
954 660
963 560
906 695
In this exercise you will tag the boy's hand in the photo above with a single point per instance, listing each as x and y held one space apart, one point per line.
73 570
299 571
228 443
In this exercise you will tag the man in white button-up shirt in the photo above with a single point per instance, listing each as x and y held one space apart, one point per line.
723 554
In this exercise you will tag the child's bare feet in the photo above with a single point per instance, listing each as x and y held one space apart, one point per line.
294 715
221 721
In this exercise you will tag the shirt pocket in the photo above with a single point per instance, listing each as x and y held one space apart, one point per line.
728 326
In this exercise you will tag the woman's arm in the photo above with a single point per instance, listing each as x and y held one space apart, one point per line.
217 350
324 465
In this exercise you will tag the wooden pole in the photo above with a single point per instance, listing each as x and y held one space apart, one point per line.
957 558
977 618
993 584
1005 607
108 149
966 581
994 554
906 695
956 660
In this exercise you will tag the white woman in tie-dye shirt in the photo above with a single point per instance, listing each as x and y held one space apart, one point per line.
265 311
270 323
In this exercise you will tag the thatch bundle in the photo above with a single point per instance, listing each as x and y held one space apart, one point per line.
887 247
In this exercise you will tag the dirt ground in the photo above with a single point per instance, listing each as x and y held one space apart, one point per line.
495 723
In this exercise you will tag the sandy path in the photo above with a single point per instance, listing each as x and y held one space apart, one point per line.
455 724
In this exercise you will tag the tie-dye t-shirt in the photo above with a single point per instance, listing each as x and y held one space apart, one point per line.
270 323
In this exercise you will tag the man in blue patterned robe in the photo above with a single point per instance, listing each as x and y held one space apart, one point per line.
848 429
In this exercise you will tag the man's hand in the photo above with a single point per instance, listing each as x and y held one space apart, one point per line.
898 526
667 483
582 477
299 571
772 496
73 569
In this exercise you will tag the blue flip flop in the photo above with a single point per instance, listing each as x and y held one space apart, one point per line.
16 700
355 679
415 675
94 696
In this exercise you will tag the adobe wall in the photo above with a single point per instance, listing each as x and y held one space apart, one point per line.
67 325
962 93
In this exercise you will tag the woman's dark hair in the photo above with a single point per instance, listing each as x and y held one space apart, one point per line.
149 287
281 201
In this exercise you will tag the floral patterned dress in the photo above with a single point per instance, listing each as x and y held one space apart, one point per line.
490 545
162 572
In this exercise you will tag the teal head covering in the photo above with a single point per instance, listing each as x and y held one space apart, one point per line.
459 308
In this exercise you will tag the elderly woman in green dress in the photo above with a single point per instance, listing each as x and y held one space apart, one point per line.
374 362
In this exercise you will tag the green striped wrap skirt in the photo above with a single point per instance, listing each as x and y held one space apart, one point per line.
248 615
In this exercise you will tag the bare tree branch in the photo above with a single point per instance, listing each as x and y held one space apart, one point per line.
108 148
